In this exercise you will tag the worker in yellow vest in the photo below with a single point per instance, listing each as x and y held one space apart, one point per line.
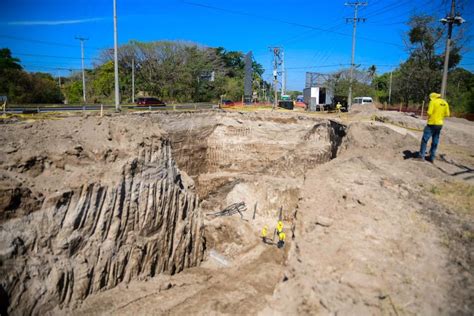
281 240
438 109
279 227
264 233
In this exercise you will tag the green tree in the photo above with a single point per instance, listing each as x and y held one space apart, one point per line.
23 87
233 88
361 85
177 71
103 81
460 90
45 89
7 61
294 94
73 91
421 73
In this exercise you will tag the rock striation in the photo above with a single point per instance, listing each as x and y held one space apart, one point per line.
91 238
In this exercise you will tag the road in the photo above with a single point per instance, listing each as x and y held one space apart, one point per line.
31 109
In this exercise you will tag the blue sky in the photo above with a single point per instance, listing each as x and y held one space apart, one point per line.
313 32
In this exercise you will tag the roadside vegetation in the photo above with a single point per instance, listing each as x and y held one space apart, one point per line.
24 87
177 71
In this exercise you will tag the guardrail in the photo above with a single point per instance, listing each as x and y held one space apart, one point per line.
48 108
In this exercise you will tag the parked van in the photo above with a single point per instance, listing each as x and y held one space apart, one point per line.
363 100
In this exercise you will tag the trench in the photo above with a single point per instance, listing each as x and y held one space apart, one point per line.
262 161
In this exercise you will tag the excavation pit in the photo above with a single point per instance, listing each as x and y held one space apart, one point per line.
91 203
258 159
110 215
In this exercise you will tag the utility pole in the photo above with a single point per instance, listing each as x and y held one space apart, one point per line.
117 93
355 19
283 75
390 90
59 78
450 20
277 61
133 80
82 39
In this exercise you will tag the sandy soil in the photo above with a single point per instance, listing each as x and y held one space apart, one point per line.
371 231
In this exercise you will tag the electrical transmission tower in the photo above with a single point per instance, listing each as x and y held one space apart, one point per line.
277 64
451 19
354 20
82 39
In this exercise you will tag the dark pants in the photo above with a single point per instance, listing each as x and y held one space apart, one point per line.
430 131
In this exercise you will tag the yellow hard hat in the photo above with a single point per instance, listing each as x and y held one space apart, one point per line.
282 236
280 226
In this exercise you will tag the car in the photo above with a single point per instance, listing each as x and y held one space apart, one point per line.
150 101
363 100
228 103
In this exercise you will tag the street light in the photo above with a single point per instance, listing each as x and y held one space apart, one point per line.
117 93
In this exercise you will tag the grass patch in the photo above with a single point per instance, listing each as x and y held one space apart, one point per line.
456 195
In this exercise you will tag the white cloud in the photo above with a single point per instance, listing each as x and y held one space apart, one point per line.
57 22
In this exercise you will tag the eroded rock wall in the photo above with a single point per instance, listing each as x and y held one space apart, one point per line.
90 238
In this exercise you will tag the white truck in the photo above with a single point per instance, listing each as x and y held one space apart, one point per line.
317 98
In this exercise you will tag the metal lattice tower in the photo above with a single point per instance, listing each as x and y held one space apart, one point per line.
316 79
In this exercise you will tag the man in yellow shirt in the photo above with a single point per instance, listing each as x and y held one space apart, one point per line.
438 109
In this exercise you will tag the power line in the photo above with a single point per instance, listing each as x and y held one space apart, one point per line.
387 8
318 66
396 15
52 68
331 28
288 22
53 56
313 66
44 42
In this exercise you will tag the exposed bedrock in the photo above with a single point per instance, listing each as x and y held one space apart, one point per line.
90 238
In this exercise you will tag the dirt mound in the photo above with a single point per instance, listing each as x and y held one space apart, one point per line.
363 136
455 131
365 108
372 239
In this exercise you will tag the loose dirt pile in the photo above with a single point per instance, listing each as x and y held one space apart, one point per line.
369 231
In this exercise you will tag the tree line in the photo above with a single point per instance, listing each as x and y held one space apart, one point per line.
180 71
24 87
172 71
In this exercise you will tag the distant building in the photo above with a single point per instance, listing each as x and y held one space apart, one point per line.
317 95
